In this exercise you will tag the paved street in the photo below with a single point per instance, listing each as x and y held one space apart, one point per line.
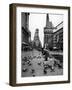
35 65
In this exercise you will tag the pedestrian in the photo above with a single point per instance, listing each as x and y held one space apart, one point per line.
46 53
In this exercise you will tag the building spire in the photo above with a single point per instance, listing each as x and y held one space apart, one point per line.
36 42
47 19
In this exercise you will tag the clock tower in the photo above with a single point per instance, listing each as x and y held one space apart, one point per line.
48 34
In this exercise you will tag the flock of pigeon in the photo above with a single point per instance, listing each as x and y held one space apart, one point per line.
51 63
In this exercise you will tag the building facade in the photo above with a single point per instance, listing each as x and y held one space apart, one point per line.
48 34
53 36
58 37
25 33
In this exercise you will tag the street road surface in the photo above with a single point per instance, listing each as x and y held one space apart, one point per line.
37 65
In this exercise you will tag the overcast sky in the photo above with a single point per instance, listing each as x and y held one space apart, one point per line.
39 21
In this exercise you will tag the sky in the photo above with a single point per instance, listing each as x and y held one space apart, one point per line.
39 21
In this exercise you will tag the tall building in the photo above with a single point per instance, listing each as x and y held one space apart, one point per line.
25 33
48 34
36 42
58 37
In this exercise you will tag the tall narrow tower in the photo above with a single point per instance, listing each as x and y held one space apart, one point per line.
48 33
36 41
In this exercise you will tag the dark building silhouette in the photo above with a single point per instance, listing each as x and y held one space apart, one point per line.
25 33
36 42
48 34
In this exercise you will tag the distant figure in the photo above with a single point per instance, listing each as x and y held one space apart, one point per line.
46 53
